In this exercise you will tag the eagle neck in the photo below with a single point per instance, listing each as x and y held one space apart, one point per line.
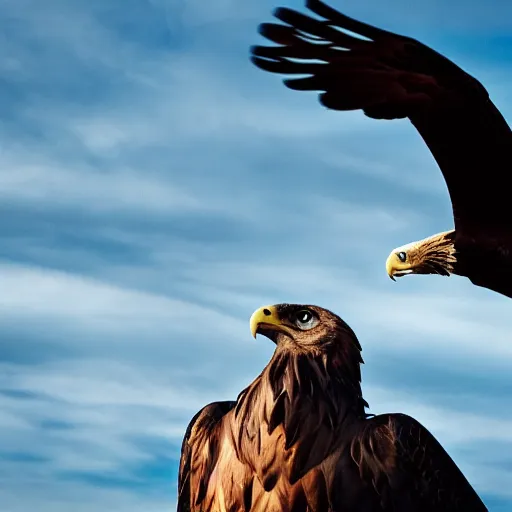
307 400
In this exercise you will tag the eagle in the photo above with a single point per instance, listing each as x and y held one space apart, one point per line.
299 439
356 66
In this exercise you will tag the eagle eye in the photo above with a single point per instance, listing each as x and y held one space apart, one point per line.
305 320
402 256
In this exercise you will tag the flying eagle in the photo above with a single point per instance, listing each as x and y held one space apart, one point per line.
298 439
390 76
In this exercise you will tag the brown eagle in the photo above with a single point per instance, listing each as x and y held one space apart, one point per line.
390 76
298 438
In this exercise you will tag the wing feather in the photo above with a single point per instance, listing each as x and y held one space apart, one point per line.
423 466
391 76
199 453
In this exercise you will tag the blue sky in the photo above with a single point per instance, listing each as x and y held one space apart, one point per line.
156 188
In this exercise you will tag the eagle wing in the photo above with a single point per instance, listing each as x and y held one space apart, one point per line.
195 470
390 76
410 470
423 468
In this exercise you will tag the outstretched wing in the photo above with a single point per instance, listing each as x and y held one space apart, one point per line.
199 452
423 467
390 76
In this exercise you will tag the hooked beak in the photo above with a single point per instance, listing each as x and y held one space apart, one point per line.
266 321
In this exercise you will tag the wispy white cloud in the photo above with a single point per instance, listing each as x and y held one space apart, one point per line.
86 305
94 191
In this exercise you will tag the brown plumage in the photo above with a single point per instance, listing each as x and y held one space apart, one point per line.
298 438
390 76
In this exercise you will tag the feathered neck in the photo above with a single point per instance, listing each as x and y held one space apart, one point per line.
437 253
303 399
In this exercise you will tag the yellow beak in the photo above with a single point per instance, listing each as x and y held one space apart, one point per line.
390 269
265 316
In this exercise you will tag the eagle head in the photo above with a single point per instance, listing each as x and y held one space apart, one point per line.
432 255
303 328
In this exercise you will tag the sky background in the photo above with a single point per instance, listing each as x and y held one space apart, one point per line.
156 188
